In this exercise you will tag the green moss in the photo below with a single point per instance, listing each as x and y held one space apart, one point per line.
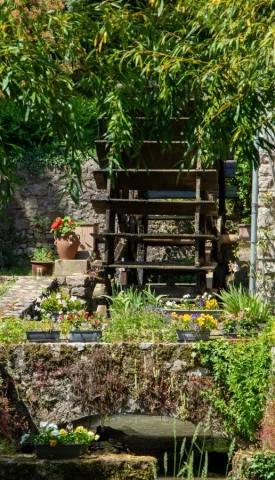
112 467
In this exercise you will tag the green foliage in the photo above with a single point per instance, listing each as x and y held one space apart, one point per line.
242 374
43 254
36 52
237 300
262 465
13 330
142 324
152 57
123 299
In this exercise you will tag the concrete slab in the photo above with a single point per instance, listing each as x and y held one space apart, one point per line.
71 267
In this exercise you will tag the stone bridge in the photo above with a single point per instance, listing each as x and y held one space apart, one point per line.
64 382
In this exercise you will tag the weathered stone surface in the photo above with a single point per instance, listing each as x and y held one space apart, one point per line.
71 267
111 467
125 375
99 290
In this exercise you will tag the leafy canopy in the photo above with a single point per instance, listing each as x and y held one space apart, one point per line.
209 60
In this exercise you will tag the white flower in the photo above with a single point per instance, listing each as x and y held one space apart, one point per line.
247 309
64 303
186 296
73 299
28 317
24 438
35 318
37 308
43 424
96 437
169 304
51 426
55 433
58 295
60 312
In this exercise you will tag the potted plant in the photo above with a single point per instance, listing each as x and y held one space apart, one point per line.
229 326
47 333
66 240
54 444
55 304
42 261
83 326
193 327
201 302
243 324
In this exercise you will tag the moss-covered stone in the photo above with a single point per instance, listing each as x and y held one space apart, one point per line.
111 467
156 379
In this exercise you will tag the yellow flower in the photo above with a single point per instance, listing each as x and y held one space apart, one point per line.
174 314
62 432
53 443
81 429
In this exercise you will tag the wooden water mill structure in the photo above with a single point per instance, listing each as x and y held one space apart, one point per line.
143 210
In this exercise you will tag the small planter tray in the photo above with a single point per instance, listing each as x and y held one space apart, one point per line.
230 335
39 336
85 336
214 313
190 336
59 452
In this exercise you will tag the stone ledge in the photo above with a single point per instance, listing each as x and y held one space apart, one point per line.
107 467
64 268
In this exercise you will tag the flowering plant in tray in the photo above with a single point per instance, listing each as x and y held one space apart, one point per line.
82 320
58 303
194 322
201 302
50 435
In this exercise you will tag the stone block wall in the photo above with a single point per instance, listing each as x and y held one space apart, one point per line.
266 229
39 196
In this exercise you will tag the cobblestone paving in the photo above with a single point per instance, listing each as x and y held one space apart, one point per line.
20 297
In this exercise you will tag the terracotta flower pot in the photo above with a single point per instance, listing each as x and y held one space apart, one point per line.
67 246
42 269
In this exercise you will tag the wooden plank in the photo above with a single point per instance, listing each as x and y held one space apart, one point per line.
175 290
85 232
165 180
152 154
164 218
143 207
165 266
153 236
230 192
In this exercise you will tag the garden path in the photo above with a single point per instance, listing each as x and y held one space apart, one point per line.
20 297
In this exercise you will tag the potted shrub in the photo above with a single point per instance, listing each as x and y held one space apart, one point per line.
83 326
54 444
42 261
65 238
193 327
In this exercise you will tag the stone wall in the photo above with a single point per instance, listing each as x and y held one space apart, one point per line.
60 382
39 196
266 230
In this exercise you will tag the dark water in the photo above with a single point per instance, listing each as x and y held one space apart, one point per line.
154 436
